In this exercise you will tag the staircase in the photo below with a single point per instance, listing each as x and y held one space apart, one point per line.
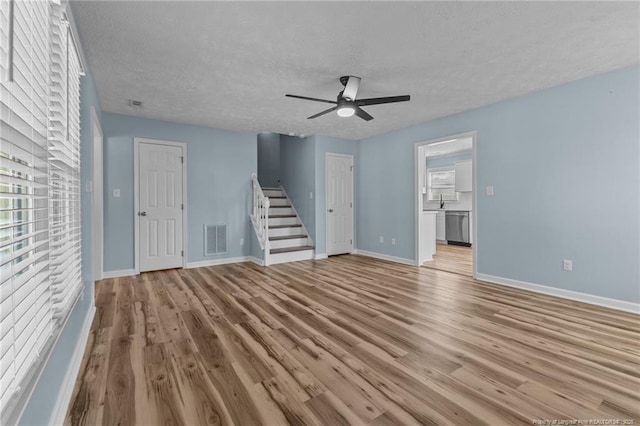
281 234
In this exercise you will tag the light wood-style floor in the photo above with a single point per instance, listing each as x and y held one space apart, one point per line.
349 340
452 258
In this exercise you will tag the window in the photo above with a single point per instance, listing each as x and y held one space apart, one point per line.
40 271
441 184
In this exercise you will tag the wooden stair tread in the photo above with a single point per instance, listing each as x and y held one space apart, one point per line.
271 189
277 196
279 216
285 226
290 249
280 207
287 237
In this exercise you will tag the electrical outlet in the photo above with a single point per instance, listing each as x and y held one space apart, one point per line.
393 241
311 195
489 191
116 193
241 241
567 265
381 239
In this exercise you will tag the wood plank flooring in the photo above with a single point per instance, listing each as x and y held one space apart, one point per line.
452 258
349 340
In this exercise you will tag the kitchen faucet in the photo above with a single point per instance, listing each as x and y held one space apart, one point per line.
441 202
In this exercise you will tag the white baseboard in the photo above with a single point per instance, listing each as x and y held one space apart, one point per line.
69 381
117 274
294 256
214 262
256 261
410 262
620 305
320 256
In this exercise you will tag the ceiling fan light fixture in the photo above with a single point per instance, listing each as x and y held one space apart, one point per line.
346 111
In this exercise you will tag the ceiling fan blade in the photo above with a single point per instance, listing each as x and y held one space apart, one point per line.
385 100
312 99
363 114
326 111
351 88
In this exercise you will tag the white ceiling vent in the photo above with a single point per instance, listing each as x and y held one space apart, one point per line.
135 104
215 239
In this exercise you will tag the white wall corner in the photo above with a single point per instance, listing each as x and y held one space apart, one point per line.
256 260
66 389
410 262
320 256
592 299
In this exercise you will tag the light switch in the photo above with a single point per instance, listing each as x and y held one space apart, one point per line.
116 193
489 190
88 185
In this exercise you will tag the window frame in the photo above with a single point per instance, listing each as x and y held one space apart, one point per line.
450 198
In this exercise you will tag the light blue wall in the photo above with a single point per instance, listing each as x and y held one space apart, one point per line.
269 159
564 165
219 166
41 404
325 144
297 174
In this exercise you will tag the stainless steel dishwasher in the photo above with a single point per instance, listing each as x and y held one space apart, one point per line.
457 227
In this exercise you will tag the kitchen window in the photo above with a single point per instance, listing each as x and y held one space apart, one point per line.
441 184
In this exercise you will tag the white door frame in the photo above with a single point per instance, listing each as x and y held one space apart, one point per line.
97 224
136 195
326 210
418 193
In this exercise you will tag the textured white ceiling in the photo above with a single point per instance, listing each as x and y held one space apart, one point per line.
229 64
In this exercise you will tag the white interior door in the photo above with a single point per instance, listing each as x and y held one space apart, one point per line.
160 209
339 193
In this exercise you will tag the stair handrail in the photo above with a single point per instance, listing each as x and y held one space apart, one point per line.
260 216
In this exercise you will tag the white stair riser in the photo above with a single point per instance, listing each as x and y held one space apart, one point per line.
272 193
280 210
293 242
283 221
278 201
290 257
281 232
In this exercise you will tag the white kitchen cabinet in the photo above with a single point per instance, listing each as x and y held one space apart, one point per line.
463 176
427 235
441 226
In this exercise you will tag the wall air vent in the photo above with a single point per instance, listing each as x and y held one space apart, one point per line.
215 239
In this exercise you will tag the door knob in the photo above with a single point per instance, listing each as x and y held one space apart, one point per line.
142 213
330 210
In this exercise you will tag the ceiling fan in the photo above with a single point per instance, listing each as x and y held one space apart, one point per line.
347 105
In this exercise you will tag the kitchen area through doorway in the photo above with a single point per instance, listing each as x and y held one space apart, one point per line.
445 202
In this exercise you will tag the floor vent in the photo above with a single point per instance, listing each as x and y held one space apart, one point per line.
215 239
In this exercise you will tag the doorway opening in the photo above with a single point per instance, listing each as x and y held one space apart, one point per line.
97 199
446 204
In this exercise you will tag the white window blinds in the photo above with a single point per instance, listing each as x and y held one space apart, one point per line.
441 183
64 166
40 270
25 306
